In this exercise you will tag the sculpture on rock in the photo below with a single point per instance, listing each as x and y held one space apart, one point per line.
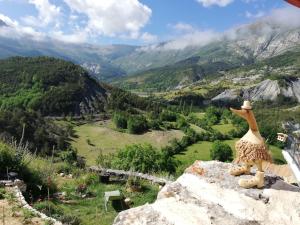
250 150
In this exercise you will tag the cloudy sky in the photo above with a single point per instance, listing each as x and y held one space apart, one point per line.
136 22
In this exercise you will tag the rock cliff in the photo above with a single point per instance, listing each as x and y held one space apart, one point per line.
265 90
207 194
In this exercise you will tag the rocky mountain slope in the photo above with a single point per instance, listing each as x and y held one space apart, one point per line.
265 90
207 194
240 46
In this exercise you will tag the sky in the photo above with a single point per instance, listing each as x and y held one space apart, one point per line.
135 22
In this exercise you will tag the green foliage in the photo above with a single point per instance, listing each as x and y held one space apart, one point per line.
9 159
221 151
145 159
120 100
49 208
2 193
142 158
168 116
182 123
69 155
104 160
120 120
137 124
50 86
40 134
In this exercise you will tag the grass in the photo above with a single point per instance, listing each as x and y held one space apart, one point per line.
91 211
101 136
201 151
196 128
199 115
223 128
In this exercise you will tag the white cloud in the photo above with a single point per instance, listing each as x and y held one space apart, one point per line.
148 38
76 37
196 38
254 15
15 30
287 17
183 27
221 3
112 17
47 13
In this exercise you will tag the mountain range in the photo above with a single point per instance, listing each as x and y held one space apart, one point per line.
168 65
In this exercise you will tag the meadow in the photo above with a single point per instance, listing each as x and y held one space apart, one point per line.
103 136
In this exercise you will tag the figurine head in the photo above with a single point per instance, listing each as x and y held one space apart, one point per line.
246 105
245 110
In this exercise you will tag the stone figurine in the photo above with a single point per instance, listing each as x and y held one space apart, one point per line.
250 150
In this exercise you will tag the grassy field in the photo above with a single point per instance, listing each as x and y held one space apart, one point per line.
223 128
199 115
201 151
91 211
196 128
101 136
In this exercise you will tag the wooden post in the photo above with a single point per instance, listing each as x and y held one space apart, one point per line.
3 217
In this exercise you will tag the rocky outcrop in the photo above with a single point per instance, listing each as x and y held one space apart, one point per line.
265 90
227 95
207 194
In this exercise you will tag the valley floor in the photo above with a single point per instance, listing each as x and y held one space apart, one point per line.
103 136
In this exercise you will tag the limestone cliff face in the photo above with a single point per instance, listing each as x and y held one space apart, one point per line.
207 194
265 90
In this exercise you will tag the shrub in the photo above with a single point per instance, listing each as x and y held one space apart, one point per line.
168 116
48 208
154 124
104 160
221 151
2 193
137 124
142 158
69 155
181 123
120 120
70 219
9 159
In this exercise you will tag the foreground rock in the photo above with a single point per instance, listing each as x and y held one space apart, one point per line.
207 194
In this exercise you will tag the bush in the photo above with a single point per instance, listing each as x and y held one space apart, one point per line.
168 116
137 124
70 219
48 208
120 120
221 151
181 123
9 159
142 158
104 160
69 155
154 124
2 193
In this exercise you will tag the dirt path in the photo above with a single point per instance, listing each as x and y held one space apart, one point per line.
12 214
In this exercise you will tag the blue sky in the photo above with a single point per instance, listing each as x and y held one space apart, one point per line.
130 21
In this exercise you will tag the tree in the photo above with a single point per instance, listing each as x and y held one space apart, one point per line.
120 120
142 158
137 124
221 151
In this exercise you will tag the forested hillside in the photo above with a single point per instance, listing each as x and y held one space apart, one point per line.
49 86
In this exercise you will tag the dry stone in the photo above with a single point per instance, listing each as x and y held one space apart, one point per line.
207 194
